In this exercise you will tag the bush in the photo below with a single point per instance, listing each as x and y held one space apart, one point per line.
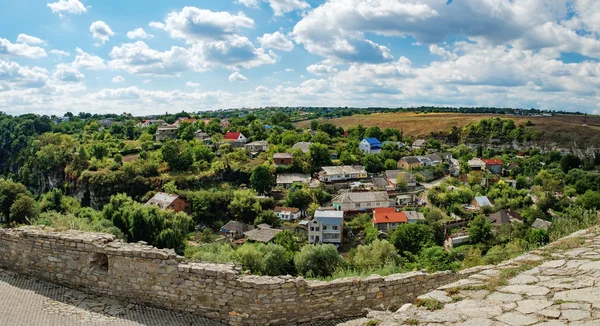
377 254
411 238
212 253
318 261
260 259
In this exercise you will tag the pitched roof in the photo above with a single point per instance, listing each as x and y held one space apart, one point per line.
346 169
419 142
499 218
237 227
162 200
411 159
388 215
304 146
262 234
541 224
434 157
493 161
230 135
483 201
258 143
282 155
361 197
373 141
289 178
414 216
286 209
476 162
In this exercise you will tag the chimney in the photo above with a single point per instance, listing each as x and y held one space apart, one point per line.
386 217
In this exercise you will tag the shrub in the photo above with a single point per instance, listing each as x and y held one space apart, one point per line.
318 261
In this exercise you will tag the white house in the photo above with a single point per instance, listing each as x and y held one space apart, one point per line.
370 146
326 227
342 173
361 201
287 213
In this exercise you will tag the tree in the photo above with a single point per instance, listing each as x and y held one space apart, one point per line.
298 198
372 163
370 234
118 158
318 260
390 164
373 132
480 230
267 217
589 200
401 184
244 206
24 210
186 131
377 254
55 200
319 156
262 179
412 237
569 161
9 192
81 159
287 239
178 155
435 259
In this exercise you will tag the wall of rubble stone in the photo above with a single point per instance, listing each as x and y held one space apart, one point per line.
101 264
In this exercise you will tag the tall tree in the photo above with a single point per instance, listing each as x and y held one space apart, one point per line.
262 179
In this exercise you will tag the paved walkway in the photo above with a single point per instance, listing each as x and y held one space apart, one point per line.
554 286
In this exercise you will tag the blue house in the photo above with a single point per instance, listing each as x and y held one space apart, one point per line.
370 146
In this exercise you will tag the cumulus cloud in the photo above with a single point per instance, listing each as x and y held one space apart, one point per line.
139 33
276 41
139 58
60 53
320 69
28 39
118 79
280 7
67 6
192 84
88 61
192 24
21 50
66 73
13 75
237 77
101 31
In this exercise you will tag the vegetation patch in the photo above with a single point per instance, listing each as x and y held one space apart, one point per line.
429 304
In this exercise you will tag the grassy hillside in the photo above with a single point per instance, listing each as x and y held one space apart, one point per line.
563 129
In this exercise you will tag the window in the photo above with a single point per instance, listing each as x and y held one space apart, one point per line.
312 228
368 204
334 227
317 229
324 227
357 205
312 237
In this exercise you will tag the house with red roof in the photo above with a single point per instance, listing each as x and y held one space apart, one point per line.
387 219
183 119
494 165
234 136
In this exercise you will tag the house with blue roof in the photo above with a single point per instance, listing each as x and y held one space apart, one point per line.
326 227
370 146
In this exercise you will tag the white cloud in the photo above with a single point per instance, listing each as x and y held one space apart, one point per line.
88 61
280 7
60 53
157 25
192 84
192 24
66 73
289 70
118 79
28 39
101 31
139 33
147 81
321 69
69 6
15 76
237 77
139 58
20 50
276 41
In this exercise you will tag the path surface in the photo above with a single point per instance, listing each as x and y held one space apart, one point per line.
554 286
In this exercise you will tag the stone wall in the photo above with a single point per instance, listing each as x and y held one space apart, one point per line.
99 263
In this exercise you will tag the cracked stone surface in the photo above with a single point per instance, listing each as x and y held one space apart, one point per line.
559 286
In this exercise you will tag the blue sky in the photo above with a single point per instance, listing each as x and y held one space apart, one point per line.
154 56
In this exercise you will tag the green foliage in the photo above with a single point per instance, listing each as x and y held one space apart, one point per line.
318 260
372 163
411 238
589 200
211 253
56 201
370 233
319 156
298 198
24 210
178 155
435 259
269 259
377 254
572 219
262 179
63 222
244 206
287 239
569 162
10 191
480 230
267 217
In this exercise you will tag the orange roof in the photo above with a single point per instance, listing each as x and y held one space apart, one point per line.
230 135
493 161
388 215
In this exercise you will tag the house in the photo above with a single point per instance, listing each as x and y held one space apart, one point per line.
225 123
494 165
361 201
419 143
414 217
425 161
481 202
409 162
235 229
403 200
476 164
261 234
304 146
287 180
172 202
541 224
409 178
180 120
201 135
342 173
381 184
287 213
326 227
387 219
166 132
257 146
282 158
232 136
499 218
434 159
148 123
370 146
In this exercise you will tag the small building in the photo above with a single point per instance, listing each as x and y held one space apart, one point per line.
481 202
304 146
169 201
257 146
494 165
370 146
342 173
409 162
387 219
225 123
409 178
414 217
408 199
148 123
476 164
326 227
200 135
232 136
282 158
419 143
541 224
180 120
261 234
166 132
499 218
434 159
361 201
287 180
287 213
235 229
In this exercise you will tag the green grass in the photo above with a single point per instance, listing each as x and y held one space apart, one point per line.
429 304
